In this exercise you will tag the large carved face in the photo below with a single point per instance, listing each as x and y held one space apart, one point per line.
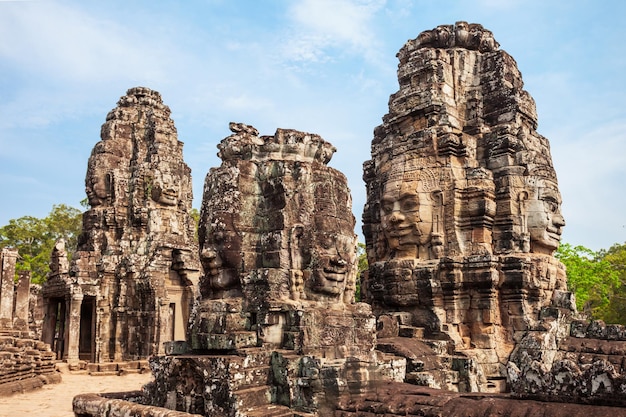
544 219
107 157
329 243
332 262
406 218
97 187
220 256
164 189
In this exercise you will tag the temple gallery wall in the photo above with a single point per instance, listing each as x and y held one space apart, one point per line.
463 299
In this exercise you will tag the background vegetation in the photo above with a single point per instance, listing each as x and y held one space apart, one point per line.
34 238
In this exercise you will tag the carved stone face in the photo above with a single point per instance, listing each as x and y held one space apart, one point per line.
219 267
406 218
212 263
165 190
97 188
544 219
332 261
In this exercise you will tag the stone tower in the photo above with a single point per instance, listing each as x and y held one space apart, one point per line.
463 207
276 323
133 279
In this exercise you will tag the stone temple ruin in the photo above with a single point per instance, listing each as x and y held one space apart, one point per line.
465 308
133 279
25 362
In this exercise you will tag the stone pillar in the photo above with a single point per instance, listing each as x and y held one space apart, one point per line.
9 257
20 318
73 328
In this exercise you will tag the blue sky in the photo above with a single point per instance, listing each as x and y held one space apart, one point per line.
322 66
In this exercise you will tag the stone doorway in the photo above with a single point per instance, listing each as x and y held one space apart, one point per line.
87 329
54 332
180 297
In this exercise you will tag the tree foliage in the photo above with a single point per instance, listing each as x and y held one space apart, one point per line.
34 238
362 266
591 277
615 311
195 215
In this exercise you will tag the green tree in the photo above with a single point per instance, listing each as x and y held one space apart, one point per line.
361 254
64 222
34 238
195 215
615 312
590 277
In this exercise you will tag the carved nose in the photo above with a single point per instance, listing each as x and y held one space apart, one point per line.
396 217
558 220
339 261
209 254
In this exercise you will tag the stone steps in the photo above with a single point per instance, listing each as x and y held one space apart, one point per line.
25 364
271 410
252 398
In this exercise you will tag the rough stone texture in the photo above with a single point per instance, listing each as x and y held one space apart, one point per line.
8 258
120 405
25 363
277 245
463 208
276 323
35 311
586 366
461 222
406 400
133 279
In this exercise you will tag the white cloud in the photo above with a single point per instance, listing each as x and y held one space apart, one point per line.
52 40
322 24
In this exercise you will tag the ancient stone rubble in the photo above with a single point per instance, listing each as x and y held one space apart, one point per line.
25 362
464 295
133 279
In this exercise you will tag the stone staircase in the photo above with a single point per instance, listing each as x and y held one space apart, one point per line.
433 362
251 386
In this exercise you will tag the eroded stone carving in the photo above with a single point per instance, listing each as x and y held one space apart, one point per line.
463 210
278 248
134 276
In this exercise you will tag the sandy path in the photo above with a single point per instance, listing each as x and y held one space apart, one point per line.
55 400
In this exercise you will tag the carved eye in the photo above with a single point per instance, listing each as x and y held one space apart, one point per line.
387 207
551 205
410 204
326 242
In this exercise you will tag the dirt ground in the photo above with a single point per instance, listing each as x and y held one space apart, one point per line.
55 400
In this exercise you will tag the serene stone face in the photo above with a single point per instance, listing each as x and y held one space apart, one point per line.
98 178
109 155
405 218
219 269
97 189
164 189
544 219
332 262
